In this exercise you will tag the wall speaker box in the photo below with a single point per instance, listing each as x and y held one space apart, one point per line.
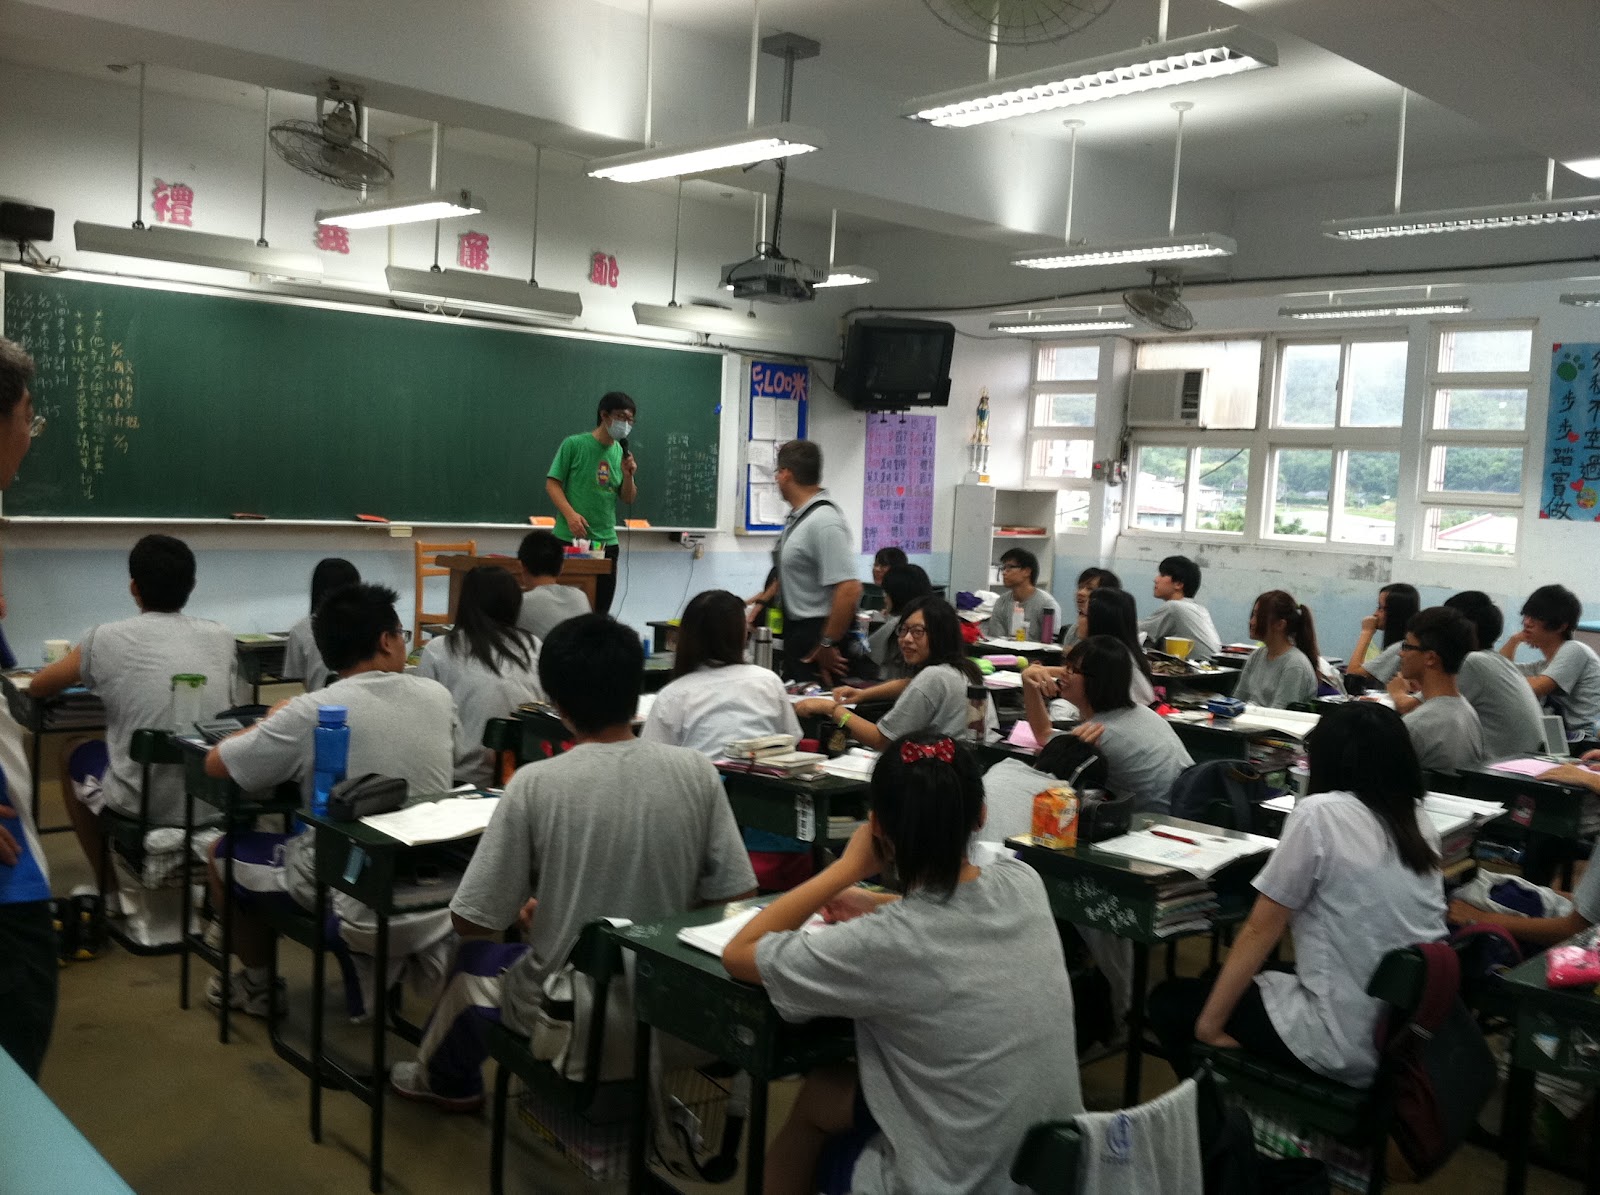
23 222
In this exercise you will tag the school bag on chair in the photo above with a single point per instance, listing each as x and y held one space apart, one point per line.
1219 792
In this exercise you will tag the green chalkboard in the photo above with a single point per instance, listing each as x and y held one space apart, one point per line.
173 404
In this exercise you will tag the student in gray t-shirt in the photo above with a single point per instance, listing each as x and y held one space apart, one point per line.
300 655
962 1008
1568 678
1444 728
1179 615
130 665
1508 712
1283 670
616 827
546 603
1019 569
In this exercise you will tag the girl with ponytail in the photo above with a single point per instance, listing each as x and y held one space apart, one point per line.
953 1067
1283 670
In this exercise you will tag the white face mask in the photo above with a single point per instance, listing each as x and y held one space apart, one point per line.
620 429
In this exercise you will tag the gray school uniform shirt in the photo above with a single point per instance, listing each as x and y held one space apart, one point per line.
130 664
1353 900
1508 712
301 657
1143 756
1446 735
814 554
635 829
1576 671
1385 666
935 701
1183 618
546 607
479 694
883 645
955 1066
1278 683
1002 626
1586 899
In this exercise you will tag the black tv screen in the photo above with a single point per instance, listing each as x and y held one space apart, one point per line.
896 364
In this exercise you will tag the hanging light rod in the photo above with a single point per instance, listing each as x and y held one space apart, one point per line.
487 294
1046 325
744 148
1144 68
706 321
1378 309
187 248
434 205
1581 300
1536 214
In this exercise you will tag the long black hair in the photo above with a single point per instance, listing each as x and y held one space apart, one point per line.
902 585
486 620
1364 749
945 645
711 633
1113 612
1400 605
928 810
1107 672
332 572
1276 605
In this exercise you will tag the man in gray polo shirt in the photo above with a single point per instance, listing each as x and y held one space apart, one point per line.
817 584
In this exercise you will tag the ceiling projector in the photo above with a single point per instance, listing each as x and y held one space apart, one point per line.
772 279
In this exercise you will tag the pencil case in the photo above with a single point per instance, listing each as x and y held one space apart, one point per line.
362 796
1571 967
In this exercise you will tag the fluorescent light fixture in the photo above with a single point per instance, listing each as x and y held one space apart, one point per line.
744 148
435 205
1581 300
708 321
187 248
848 276
1144 68
1047 325
487 293
1378 308
1535 214
1178 248
1588 167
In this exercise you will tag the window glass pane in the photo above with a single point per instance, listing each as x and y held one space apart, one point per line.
1221 486
1069 363
1480 410
1158 487
1377 386
1300 506
1074 511
1371 482
1467 467
1233 373
1500 351
1064 410
1063 458
1309 389
1458 529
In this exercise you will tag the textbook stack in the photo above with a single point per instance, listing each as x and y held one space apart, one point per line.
1184 906
773 755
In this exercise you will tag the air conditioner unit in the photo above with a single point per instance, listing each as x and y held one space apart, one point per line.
1166 398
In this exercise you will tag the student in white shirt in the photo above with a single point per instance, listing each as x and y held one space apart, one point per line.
1355 875
935 699
952 1067
1397 605
1283 670
300 655
1567 680
1179 616
1444 728
489 664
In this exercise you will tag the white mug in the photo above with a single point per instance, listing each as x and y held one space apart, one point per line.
56 649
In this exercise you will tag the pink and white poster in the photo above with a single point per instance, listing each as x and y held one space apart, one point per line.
897 507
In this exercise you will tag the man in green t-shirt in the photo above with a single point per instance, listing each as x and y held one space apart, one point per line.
590 470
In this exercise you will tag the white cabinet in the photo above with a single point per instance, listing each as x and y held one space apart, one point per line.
979 533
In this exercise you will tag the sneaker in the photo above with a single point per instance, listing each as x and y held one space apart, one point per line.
66 927
88 914
410 1079
213 935
249 998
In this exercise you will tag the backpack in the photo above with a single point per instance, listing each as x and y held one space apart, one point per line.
1220 792
1442 1071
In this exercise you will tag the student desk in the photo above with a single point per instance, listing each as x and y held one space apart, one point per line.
1206 741
580 572
379 871
1090 888
1557 1033
1541 806
75 711
41 1150
796 808
261 661
239 810
1220 680
685 992
1046 653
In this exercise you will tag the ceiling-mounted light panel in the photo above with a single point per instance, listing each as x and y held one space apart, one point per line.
1537 214
1047 326
1177 248
488 293
744 148
848 276
1378 309
435 205
1144 68
1581 300
194 249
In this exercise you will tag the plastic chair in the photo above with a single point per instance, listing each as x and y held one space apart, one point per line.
597 955
126 834
428 566
1048 1158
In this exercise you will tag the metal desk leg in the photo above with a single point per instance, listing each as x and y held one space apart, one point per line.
188 889
1141 983
35 754
755 1154
319 912
639 1127
231 825
380 1033
1516 1127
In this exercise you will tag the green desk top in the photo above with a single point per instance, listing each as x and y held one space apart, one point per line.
660 938
365 836
1558 1029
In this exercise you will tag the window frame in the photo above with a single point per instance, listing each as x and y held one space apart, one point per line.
1043 433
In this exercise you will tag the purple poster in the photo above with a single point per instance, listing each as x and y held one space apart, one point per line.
897 507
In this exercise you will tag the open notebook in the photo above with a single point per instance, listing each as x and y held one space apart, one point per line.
713 938
436 821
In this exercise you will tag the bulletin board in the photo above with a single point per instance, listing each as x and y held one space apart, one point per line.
778 400
897 494
1570 481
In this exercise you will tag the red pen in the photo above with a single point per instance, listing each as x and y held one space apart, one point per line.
1159 833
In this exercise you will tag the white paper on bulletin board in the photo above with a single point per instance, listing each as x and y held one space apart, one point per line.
762 452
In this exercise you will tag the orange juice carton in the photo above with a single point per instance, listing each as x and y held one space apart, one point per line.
1055 817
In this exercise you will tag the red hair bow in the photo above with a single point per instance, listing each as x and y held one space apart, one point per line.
944 750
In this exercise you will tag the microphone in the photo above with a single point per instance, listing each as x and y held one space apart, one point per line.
624 443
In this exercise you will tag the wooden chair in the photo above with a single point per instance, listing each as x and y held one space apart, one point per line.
428 566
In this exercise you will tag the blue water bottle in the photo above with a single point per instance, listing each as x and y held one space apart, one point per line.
332 754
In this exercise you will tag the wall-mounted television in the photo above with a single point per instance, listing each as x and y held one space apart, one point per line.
896 364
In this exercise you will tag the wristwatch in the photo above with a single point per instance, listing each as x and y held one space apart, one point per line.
827 642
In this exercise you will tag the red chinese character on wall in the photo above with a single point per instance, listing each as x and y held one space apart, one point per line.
333 238
603 269
174 203
472 251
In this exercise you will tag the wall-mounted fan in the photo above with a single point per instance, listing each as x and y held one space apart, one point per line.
1159 303
330 147
1018 22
